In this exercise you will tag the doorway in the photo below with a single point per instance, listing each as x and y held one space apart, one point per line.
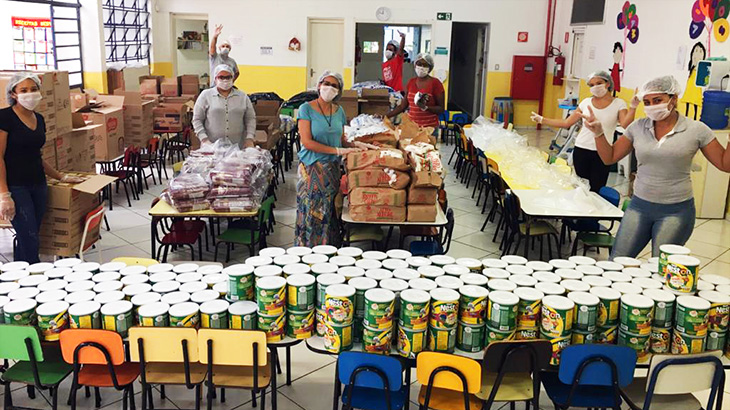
325 51
468 62
190 45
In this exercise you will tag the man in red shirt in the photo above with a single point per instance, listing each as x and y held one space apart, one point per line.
393 67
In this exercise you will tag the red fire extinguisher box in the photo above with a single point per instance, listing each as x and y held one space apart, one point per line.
528 77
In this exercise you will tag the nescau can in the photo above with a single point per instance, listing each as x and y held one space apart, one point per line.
411 342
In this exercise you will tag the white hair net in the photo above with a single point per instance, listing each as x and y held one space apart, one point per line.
394 44
222 67
16 79
661 85
224 42
425 57
340 81
602 75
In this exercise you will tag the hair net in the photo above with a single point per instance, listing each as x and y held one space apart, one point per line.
340 81
16 79
220 44
394 44
425 57
222 67
661 85
604 76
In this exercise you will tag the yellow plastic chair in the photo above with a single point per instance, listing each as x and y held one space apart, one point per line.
136 261
448 382
168 356
238 359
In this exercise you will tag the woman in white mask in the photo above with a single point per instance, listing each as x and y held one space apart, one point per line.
662 209
23 191
321 124
424 95
610 111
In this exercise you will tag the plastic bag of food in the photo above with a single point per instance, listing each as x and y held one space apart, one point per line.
188 186
363 125
245 204
186 205
229 192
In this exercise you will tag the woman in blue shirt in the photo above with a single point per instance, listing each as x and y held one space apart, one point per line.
321 123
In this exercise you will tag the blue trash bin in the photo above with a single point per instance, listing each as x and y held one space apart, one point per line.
715 109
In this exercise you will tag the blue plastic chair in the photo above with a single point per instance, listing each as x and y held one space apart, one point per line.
444 119
589 225
372 382
440 244
591 376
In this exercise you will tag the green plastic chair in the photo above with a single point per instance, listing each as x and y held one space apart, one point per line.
21 344
247 233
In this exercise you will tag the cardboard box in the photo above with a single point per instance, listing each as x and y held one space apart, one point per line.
426 179
375 102
62 101
171 117
383 158
267 139
375 94
109 142
115 79
349 103
48 153
377 196
76 151
422 213
138 118
267 114
372 213
422 196
381 139
150 84
189 84
169 87
378 177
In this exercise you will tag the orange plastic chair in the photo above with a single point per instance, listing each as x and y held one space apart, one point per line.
448 382
99 360
93 220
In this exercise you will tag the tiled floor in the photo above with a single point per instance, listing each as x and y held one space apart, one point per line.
313 374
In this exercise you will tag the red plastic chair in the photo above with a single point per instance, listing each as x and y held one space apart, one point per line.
93 220
126 173
179 233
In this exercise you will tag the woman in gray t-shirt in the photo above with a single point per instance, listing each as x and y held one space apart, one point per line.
662 209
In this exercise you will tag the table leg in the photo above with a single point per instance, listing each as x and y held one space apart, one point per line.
387 238
274 389
347 234
288 365
153 230
528 220
407 406
212 230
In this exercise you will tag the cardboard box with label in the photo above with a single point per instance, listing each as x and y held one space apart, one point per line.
377 196
169 87
171 117
378 177
75 151
385 158
426 179
138 118
375 102
62 101
109 142
374 213
421 213
189 84
349 103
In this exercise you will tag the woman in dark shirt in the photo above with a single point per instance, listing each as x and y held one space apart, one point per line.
23 171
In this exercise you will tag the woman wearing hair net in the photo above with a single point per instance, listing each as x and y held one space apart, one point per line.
321 123
393 65
425 96
662 209
23 191
610 112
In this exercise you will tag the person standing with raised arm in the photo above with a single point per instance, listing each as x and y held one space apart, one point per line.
393 66
219 54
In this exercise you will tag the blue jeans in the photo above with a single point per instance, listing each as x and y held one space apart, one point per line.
661 223
30 205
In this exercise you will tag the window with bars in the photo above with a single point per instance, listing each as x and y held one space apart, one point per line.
126 30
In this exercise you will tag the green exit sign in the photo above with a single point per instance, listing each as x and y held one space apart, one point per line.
443 16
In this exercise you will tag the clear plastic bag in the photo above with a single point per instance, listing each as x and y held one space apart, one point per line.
364 124
236 204
186 205
188 187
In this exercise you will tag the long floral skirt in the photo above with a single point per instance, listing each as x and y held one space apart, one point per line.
317 221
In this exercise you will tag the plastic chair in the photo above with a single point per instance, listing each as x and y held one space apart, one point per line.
590 376
592 233
153 159
167 356
440 244
511 371
444 118
248 232
483 178
32 368
669 388
497 188
129 260
126 171
365 233
98 359
448 382
238 359
93 220
372 382
516 227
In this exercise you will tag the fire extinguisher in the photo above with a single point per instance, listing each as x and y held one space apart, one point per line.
559 70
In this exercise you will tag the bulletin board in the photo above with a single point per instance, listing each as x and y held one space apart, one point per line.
32 43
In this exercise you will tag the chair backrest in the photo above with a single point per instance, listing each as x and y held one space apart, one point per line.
163 344
153 144
448 230
130 260
232 347
265 211
517 356
597 373
493 165
512 210
129 156
349 362
93 220
13 346
444 116
106 339
430 362
460 118
611 195
672 372
483 163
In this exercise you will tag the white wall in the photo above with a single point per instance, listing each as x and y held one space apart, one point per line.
191 61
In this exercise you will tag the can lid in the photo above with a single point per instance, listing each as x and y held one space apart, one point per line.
153 309
32 280
639 273
267 271
84 308
301 279
609 266
116 308
514 259
375 255
174 298
693 302
299 250
606 293
431 271
379 295
213 278
674 249
284 260
160 267
456 270
340 290
256 261
562 264
627 262
53 284
597 281
519 270
473 291
550 288
13 275
398 254
20 305
539 266
362 283
135 279
637 300
582 260
715 279
133 270
547 277
324 268
569 274
241 308
442 260
494 263
448 282
395 285
523 280
136 289
39 267
210 269
221 288
651 267
378 274
106 276
7 287
341 261
558 302
107 286
192 287
659 295
325 250
214 306
415 296
406 274
61 263
272 252
49 296
367 264
145 298
79 286
589 270
83 296
470 263
422 284
474 279
703 285
720 288
715 297
418 261
572 285
584 298
647 283
496 273
627 288
24 293
315 258
107 297
394 264
239 269
186 267
504 298
614 276
204 296
501 284
445 295
296 269
330 279
86 267
112 267
57 273
529 294
189 277
21 265
184 309
269 282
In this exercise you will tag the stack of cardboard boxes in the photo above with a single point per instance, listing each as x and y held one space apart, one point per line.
267 123
375 102
108 112
377 180
349 103
176 99
426 169
138 118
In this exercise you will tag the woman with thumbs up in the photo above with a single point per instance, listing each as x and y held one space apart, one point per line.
610 112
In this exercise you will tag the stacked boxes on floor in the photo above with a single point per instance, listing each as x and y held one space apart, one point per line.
267 123
376 181
107 111
138 118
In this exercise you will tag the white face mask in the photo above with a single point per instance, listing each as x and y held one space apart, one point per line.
328 93
599 90
657 112
388 54
421 71
225 51
29 100
224 84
